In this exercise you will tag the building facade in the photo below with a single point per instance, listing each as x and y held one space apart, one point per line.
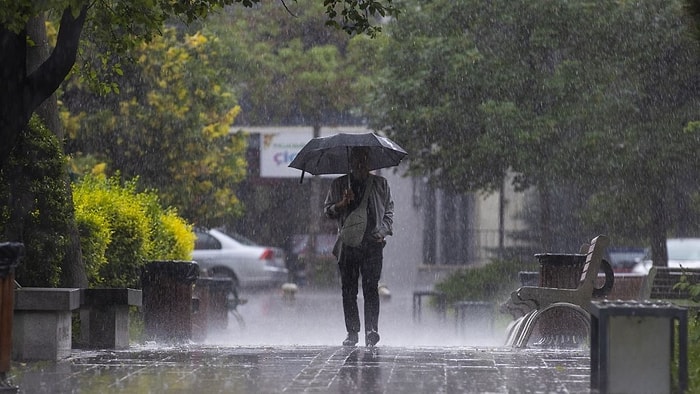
435 232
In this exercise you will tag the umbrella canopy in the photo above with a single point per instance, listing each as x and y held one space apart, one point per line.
331 155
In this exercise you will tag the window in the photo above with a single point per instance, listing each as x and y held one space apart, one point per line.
206 241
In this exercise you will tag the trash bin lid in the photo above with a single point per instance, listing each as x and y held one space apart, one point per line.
182 271
10 254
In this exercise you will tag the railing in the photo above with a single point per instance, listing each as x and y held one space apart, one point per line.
474 247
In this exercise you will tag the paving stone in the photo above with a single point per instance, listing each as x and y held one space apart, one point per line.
202 369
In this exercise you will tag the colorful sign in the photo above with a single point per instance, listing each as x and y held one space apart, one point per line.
279 146
278 149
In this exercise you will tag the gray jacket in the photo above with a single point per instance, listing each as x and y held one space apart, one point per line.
380 198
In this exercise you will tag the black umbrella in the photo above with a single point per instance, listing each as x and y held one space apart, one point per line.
331 155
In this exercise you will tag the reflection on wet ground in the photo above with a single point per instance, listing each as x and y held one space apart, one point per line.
293 347
202 369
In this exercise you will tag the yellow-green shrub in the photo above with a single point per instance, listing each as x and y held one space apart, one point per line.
132 225
95 236
174 239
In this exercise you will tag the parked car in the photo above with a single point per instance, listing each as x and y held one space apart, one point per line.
324 245
682 252
244 261
624 259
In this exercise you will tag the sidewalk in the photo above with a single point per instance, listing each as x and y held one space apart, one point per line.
293 348
204 369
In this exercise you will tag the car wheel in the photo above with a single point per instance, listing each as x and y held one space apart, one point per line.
225 273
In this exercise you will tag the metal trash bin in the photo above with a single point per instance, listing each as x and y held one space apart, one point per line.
212 309
10 255
529 278
560 270
167 288
632 347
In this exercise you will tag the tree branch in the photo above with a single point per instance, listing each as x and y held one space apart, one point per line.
47 78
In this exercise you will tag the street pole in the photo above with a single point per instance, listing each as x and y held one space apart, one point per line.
315 200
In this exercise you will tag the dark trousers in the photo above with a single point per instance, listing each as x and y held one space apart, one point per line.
366 262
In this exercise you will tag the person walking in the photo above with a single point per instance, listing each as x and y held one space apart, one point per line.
364 200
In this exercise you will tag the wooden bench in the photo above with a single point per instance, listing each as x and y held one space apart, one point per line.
661 284
541 299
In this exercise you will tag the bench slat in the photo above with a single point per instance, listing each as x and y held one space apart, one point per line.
666 278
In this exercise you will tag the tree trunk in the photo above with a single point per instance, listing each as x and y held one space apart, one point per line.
316 205
72 270
21 93
546 237
501 219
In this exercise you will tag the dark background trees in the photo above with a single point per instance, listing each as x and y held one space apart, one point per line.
587 102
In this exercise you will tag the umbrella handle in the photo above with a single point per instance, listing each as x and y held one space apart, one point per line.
347 149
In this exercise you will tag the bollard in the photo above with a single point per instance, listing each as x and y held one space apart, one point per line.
167 288
10 254
289 292
632 347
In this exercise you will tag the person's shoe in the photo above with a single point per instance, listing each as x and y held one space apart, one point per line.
351 339
371 338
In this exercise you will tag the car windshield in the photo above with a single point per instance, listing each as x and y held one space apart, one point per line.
684 250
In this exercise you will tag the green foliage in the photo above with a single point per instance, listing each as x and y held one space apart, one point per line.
172 237
95 237
143 18
115 28
35 209
169 126
693 289
122 229
293 70
491 282
694 354
594 95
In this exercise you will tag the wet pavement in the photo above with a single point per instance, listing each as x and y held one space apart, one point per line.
293 347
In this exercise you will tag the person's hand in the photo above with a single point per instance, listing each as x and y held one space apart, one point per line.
348 197
378 237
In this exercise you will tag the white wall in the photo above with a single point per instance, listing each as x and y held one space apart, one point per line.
404 250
